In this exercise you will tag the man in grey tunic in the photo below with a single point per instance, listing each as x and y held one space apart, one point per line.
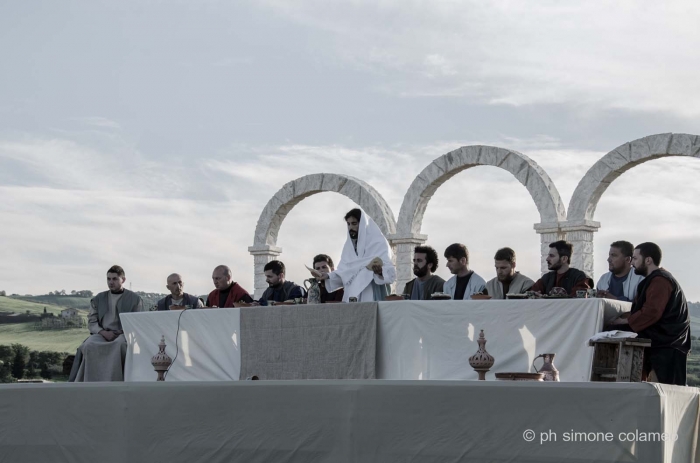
101 356
508 280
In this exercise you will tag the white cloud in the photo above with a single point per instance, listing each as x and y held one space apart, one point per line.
632 55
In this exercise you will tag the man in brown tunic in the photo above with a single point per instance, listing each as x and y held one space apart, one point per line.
660 313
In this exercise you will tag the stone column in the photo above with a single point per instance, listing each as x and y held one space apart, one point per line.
403 245
580 234
261 256
549 233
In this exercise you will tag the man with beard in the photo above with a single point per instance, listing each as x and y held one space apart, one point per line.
507 281
101 356
560 274
366 269
660 313
178 298
464 282
324 264
279 289
425 262
620 282
227 291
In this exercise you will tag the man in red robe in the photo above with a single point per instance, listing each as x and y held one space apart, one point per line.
227 291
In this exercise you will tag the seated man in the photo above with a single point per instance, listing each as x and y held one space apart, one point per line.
425 262
227 291
507 280
360 272
101 356
464 282
560 274
620 282
279 289
178 298
324 264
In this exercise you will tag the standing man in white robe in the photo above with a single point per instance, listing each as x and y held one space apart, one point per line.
101 356
364 247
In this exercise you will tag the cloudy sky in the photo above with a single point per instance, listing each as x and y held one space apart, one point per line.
152 133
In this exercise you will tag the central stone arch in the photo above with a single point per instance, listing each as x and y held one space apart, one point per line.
580 225
542 189
265 248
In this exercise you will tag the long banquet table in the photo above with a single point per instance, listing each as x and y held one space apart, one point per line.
414 339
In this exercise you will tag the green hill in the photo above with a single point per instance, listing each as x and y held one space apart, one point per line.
66 340
11 304
60 301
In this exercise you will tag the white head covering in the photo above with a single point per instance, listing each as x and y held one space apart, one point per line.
352 268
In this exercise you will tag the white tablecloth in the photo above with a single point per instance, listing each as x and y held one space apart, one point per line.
415 339
434 339
208 344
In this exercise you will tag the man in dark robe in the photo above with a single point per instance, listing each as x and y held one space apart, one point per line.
561 275
227 291
660 313
324 264
425 262
279 289
178 298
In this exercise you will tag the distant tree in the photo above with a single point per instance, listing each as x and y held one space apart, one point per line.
63 292
46 371
72 293
20 360
3 293
44 309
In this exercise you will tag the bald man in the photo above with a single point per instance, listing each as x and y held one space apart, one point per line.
178 298
227 291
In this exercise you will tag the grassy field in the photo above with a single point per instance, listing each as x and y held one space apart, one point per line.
10 304
54 340
59 301
23 333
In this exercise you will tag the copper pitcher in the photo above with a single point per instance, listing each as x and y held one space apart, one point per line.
548 369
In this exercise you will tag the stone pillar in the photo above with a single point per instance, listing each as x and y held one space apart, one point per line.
549 233
403 245
261 256
580 234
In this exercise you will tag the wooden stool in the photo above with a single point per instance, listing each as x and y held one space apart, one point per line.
618 360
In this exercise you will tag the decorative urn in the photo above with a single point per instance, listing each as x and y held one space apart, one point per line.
161 362
481 362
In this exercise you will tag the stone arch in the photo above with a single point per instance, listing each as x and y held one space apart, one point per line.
541 188
265 248
599 177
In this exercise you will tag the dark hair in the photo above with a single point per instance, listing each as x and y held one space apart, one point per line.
356 213
457 251
117 269
324 258
431 255
505 254
564 248
276 266
650 250
625 247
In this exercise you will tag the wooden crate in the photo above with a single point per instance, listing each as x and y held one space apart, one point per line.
618 360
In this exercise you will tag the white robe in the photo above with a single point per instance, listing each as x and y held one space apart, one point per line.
352 273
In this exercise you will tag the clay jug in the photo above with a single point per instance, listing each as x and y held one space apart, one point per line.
482 361
548 369
313 291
